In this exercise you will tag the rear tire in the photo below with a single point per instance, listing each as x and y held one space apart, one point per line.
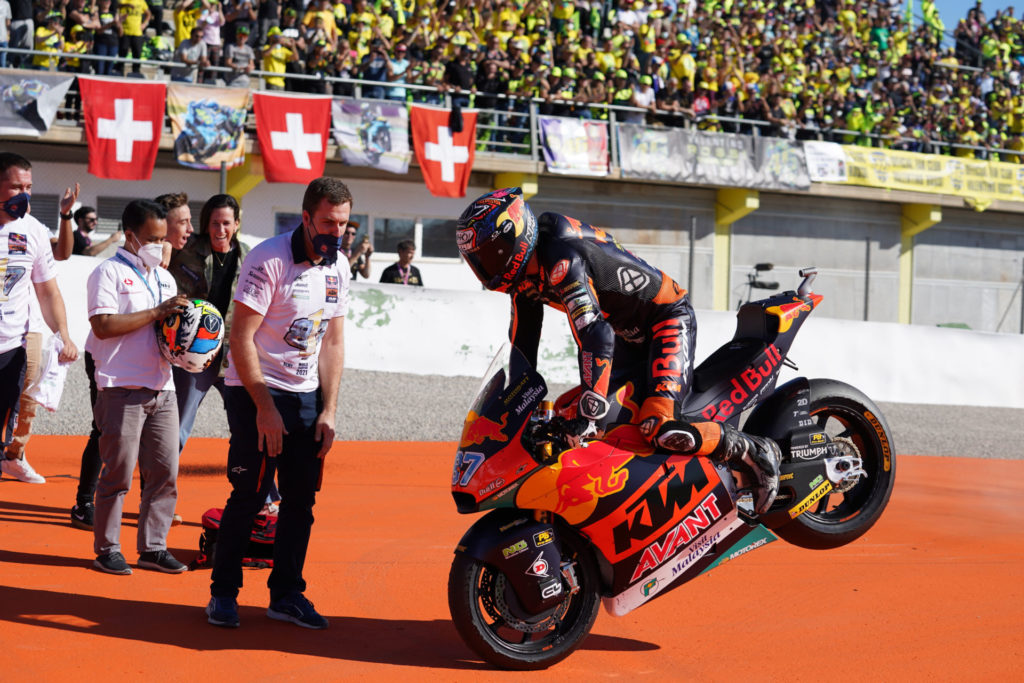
839 518
477 599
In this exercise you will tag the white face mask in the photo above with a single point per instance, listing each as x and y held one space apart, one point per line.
151 254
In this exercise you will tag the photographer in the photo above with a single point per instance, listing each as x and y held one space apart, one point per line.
374 67
277 53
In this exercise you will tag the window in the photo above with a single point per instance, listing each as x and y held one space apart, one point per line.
388 232
286 222
439 238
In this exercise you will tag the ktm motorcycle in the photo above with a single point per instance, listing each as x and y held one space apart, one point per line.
615 520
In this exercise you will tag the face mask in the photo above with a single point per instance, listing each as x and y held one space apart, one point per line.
326 246
17 206
151 254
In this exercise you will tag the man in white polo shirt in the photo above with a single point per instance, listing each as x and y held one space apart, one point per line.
26 263
284 370
136 411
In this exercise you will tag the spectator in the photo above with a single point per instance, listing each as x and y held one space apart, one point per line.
358 257
105 40
135 405
374 67
133 18
239 13
267 14
22 30
193 52
282 389
398 66
402 272
48 38
459 75
211 19
241 58
179 223
24 248
277 53
86 220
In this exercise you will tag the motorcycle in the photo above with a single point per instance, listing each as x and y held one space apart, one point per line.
614 521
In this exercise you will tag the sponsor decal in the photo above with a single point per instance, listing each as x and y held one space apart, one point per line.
748 381
331 285
696 552
809 452
466 465
528 398
786 477
787 313
584 319
466 239
128 281
744 550
496 484
551 590
238 469
543 537
649 587
17 243
679 537
815 482
817 439
515 522
479 429
816 495
539 567
588 369
882 438
584 478
558 272
653 511
632 280
514 549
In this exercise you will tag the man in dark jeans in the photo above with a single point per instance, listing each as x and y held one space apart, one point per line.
284 370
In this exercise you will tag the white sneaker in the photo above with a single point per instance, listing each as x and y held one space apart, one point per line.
21 470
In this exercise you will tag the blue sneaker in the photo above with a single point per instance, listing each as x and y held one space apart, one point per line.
222 612
298 610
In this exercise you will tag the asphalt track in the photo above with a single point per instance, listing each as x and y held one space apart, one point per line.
933 592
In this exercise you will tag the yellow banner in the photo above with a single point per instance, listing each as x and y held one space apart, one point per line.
980 182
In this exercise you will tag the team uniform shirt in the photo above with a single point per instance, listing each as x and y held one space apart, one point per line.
121 285
297 301
25 259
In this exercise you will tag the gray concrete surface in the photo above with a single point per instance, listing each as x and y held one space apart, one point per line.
376 406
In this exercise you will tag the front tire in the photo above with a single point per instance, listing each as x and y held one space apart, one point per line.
482 611
852 419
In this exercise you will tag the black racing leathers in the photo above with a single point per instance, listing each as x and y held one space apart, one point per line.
632 323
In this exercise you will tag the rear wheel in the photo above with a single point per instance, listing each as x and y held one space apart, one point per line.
855 424
484 611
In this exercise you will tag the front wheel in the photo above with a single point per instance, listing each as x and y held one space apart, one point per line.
856 425
484 612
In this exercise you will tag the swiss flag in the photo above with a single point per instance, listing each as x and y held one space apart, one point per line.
292 131
124 118
445 156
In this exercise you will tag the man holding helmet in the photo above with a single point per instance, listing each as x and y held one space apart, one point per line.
624 314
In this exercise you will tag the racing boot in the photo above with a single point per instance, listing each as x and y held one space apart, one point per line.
757 456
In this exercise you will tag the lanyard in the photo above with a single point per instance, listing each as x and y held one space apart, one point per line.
145 280
405 273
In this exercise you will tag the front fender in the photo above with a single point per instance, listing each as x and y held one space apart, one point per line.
525 550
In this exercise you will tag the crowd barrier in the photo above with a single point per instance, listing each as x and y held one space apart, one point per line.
423 331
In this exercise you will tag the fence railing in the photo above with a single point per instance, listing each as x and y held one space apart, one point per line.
512 128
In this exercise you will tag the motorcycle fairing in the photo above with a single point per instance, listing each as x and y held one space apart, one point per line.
522 548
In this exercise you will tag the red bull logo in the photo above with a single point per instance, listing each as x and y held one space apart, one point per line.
479 429
587 475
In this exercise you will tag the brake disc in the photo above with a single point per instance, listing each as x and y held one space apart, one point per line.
492 593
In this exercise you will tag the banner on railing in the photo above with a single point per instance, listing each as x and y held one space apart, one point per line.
124 118
979 182
28 104
444 141
208 124
575 146
703 158
372 134
651 153
826 162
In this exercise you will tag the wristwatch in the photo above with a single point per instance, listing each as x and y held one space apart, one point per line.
66 216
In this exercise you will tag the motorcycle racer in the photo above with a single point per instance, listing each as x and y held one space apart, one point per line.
629 320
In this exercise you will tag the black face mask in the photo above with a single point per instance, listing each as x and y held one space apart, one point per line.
17 206
325 246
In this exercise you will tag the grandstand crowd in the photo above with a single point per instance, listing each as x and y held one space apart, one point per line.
868 72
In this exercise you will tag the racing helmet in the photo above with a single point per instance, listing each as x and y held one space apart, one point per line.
496 235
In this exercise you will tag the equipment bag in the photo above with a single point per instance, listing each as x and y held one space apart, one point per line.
260 552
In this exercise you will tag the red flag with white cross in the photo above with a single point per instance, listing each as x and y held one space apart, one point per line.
445 156
124 118
292 131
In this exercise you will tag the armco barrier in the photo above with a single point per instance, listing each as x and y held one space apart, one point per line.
392 328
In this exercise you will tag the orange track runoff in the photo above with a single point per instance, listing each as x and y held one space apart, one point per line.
933 592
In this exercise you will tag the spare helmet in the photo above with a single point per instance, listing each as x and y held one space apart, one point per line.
496 235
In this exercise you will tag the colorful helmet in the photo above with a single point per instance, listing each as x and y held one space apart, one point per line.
496 235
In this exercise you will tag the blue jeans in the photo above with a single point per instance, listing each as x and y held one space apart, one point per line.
12 380
103 67
3 55
251 473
